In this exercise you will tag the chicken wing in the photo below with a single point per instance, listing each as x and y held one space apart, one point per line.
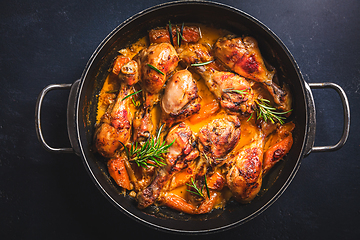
143 126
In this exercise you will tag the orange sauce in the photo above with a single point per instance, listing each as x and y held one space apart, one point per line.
209 36
249 130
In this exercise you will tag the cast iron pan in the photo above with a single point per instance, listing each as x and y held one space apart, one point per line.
83 101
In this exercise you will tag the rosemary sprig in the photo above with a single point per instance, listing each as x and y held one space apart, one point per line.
267 112
242 91
136 103
201 64
180 34
179 37
132 94
150 153
206 186
198 191
155 68
170 34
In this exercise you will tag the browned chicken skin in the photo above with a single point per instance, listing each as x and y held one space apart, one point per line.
180 99
248 167
244 178
242 55
115 125
164 58
233 92
179 156
280 144
195 53
183 150
219 137
142 125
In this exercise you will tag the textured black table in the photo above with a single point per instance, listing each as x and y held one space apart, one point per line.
50 196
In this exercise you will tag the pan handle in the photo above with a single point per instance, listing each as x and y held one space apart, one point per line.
312 124
70 116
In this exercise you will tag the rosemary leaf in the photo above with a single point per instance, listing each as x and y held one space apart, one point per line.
207 188
250 117
158 134
170 34
194 192
136 103
156 69
242 92
267 112
178 37
150 153
181 32
126 149
201 64
131 95
198 191
193 185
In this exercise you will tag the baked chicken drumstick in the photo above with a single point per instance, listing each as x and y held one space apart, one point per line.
179 156
156 63
233 92
180 99
115 125
242 55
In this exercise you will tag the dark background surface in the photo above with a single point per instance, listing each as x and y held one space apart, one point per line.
51 196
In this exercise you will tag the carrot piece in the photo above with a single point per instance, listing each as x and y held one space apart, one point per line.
178 203
216 181
117 171
180 178
209 203
191 34
205 112
118 63
159 36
